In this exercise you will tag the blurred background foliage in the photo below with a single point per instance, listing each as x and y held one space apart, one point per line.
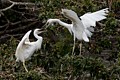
100 58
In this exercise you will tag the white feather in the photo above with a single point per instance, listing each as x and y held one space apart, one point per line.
85 38
89 19
26 48
81 29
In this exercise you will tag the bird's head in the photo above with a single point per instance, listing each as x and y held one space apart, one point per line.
50 22
38 31
69 14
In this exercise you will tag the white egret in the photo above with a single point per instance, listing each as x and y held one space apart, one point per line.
25 48
81 27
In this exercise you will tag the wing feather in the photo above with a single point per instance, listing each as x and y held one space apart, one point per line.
85 38
24 39
89 19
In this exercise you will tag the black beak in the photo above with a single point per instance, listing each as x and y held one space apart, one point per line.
46 25
41 30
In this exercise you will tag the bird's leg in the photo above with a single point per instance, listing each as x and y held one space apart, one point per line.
80 48
73 47
25 66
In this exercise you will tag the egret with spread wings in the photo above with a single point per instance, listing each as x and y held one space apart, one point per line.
25 48
81 27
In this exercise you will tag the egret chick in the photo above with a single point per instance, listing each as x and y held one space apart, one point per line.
81 27
25 48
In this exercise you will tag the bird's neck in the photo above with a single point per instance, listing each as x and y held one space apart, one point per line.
62 23
36 36
75 20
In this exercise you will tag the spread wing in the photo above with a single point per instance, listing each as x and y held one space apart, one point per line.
90 19
24 40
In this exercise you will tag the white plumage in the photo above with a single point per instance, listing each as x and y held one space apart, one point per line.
25 48
81 27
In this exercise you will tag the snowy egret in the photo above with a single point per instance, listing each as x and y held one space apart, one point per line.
81 27
25 48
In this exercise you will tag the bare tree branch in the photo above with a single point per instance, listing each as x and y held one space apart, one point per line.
23 13
26 20
7 8
18 22
22 3
8 36
17 29
16 3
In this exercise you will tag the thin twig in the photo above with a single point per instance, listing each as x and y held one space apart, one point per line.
26 20
23 13
18 22
21 3
7 8
7 36
17 29
16 3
